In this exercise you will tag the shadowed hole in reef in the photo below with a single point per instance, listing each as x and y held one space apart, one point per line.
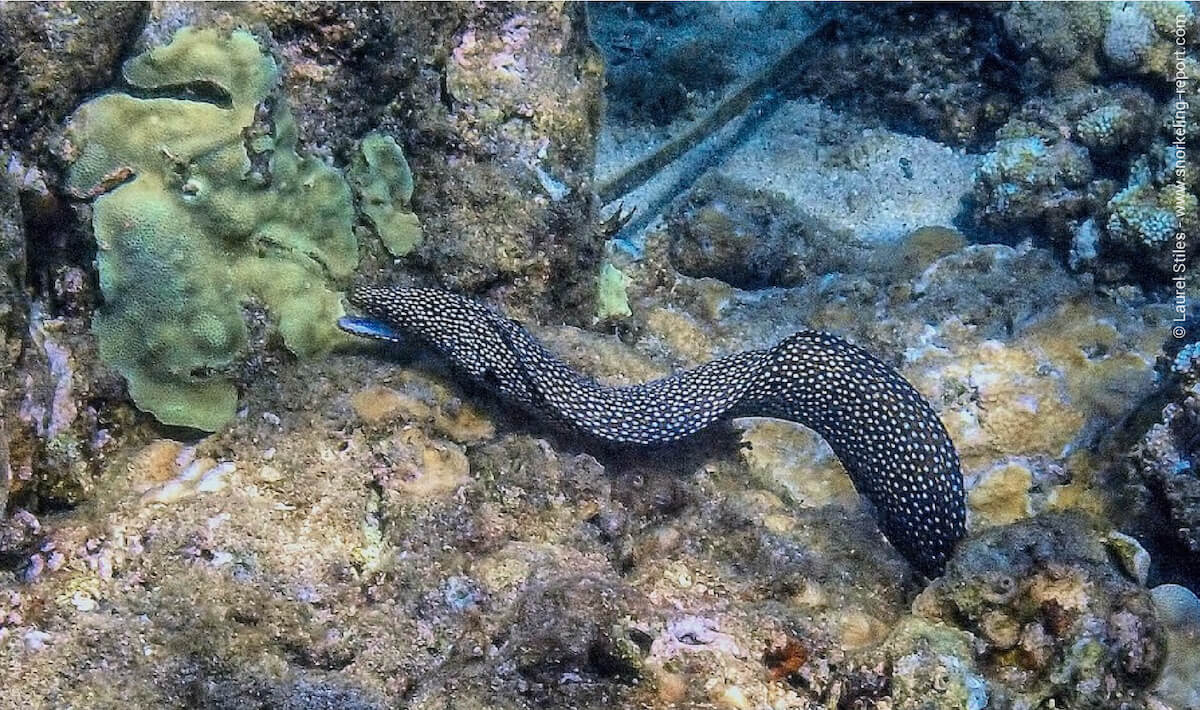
201 91
607 662
53 241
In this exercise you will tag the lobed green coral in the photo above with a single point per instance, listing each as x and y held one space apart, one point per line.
203 206
384 184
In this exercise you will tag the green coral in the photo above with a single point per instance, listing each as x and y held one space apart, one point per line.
612 300
203 206
384 183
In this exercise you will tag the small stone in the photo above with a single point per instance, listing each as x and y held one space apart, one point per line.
35 640
83 602
734 697
34 570
169 492
196 468
1129 552
216 478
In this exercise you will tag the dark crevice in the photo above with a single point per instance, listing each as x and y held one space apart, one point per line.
54 241
201 91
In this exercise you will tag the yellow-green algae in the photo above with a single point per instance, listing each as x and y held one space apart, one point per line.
204 206
384 183
612 298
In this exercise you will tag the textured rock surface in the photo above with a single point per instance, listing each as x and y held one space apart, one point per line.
369 534
940 73
54 389
54 54
14 316
1160 469
748 238
1053 616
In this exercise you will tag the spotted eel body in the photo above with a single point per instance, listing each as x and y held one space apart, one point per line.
886 435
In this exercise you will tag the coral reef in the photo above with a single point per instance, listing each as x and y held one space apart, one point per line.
1085 163
344 71
1054 618
496 109
369 532
1056 171
939 72
199 208
1025 180
1161 468
384 185
1093 37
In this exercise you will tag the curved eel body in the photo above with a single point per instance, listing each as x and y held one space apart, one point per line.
886 435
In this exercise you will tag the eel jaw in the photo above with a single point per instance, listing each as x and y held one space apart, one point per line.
373 328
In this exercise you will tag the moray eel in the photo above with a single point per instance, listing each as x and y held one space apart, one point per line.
886 435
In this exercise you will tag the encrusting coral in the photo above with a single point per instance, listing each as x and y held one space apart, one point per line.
203 205
384 185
